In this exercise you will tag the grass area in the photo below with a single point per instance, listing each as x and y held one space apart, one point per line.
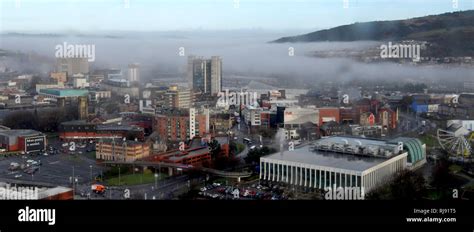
251 178
469 186
240 148
429 140
134 179
90 155
51 135
220 180
455 168
433 195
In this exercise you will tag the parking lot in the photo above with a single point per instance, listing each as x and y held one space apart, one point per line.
245 192
55 165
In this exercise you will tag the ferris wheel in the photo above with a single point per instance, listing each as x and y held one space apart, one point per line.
455 140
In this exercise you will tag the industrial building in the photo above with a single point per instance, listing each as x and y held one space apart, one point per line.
22 140
343 161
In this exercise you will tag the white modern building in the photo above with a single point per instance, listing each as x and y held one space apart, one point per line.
252 115
133 72
340 161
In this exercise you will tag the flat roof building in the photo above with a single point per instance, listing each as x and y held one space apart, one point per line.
119 150
22 140
64 93
340 161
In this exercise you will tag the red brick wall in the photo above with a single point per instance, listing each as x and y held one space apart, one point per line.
329 112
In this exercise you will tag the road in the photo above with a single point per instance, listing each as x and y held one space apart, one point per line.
243 132
168 188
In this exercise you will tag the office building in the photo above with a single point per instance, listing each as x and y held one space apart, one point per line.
98 95
72 66
83 107
120 150
181 125
179 97
205 75
133 73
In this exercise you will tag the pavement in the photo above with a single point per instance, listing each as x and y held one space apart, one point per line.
57 168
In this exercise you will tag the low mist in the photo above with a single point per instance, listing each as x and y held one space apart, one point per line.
243 53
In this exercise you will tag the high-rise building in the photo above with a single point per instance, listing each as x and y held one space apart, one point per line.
133 72
205 75
72 65
179 97
83 108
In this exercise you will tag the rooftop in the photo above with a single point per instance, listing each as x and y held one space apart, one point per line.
120 142
353 140
65 92
327 159
190 153
20 132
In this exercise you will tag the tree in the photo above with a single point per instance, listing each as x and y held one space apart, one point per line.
215 148
111 107
267 132
21 120
406 101
253 156
226 162
235 148
443 180
405 185
34 81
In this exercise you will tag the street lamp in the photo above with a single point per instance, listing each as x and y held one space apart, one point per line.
90 166
119 176
72 182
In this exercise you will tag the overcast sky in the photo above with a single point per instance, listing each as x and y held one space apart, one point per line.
165 15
